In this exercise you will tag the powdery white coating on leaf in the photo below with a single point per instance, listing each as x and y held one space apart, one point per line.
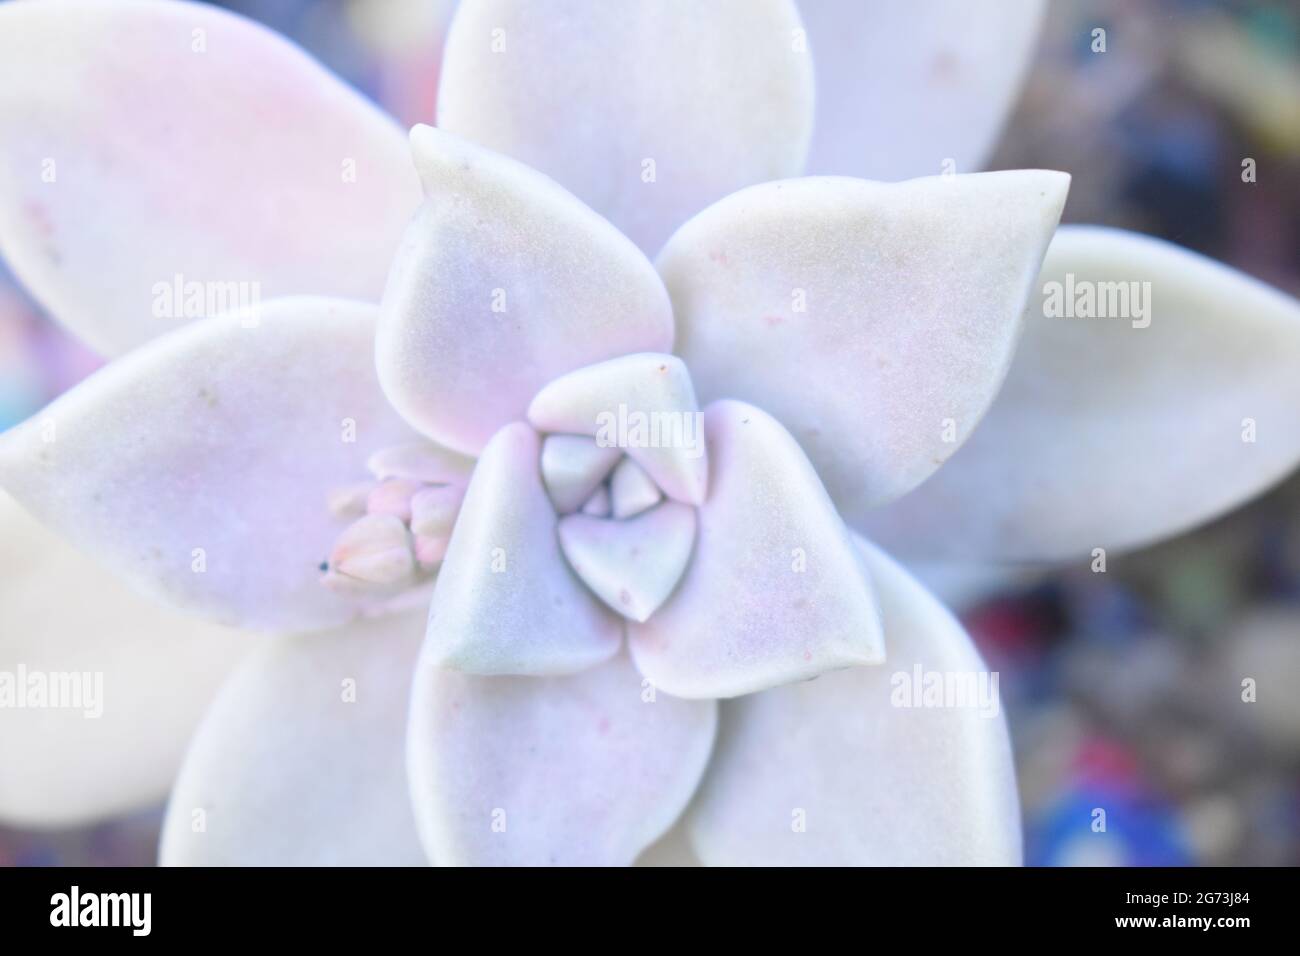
504 282
632 565
775 591
200 466
828 773
62 613
570 771
874 321
647 111
506 601
572 468
644 404
1111 436
904 87
632 490
246 163
301 760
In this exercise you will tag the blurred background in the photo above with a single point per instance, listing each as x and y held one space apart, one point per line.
1123 690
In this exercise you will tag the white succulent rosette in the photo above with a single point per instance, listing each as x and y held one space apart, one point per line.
619 635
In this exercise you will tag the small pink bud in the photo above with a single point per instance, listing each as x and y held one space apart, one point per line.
434 510
393 497
375 549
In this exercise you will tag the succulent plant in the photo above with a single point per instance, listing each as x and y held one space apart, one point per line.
555 551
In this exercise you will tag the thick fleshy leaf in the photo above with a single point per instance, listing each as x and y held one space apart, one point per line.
200 466
164 159
138 676
301 760
631 565
874 321
434 510
586 770
644 404
855 768
573 466
904 87
504 281
775 591
1116 432
506 601
632 490
420 461
647 111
